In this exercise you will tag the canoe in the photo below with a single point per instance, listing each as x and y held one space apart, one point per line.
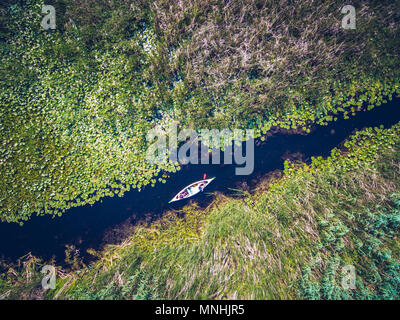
191 190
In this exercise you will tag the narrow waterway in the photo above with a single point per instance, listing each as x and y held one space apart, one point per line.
86 226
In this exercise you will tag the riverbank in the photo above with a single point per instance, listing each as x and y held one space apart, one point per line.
289 239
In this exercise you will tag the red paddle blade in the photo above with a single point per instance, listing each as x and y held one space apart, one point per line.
205 176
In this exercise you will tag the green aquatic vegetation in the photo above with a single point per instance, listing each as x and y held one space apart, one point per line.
66 140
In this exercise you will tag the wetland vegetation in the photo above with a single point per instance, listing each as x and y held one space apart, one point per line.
287 240
77 102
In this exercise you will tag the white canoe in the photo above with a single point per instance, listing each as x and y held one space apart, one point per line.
191 190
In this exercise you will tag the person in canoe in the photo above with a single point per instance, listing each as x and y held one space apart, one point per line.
201 186
183 194
192 190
